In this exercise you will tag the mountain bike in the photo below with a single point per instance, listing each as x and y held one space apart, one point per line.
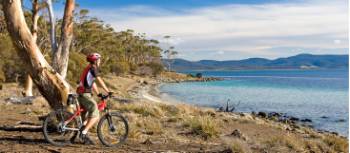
61 127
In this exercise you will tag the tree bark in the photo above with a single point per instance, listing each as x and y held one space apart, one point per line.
61 56
50 84
53 24
28 86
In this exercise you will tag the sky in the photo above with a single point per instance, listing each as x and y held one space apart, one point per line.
231 29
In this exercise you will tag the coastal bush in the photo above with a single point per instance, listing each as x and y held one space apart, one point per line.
190 75
119 67
204 126
199 75
157 68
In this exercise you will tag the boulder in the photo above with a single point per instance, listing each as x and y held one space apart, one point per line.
262 114
306 120
238 134
294 118
340 120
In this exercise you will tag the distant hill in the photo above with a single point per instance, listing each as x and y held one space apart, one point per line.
301 61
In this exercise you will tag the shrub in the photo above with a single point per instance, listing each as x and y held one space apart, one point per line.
204 126
119 67
199 75
156 67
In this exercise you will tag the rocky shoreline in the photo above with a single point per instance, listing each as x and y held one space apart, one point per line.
292 121
158 125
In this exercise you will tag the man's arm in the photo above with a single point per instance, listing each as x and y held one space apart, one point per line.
102 83
94 88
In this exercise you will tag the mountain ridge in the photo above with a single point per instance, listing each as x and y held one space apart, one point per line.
300 61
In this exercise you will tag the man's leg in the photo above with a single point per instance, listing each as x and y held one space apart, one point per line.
92 117
90 122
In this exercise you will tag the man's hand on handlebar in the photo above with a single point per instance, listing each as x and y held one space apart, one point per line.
105 96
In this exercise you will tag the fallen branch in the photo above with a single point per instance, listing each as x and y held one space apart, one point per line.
22 128
21 100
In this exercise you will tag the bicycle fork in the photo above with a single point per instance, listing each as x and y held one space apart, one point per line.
110 123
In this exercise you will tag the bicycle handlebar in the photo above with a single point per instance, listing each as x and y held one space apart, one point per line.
103 97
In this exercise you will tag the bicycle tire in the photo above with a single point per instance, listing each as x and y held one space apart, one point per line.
101 129
49 127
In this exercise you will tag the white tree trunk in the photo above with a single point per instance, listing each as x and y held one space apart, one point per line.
50 84
28 85
61 55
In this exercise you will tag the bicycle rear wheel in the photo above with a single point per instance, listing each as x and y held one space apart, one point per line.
55 132
112 129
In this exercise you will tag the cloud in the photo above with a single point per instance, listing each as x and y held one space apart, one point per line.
242 30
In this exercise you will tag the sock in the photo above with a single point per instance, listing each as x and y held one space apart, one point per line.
84 132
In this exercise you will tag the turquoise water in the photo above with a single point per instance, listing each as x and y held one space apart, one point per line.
320 95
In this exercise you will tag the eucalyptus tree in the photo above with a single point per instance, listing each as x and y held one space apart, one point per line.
50 84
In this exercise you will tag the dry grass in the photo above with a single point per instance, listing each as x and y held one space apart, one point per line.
336 143
155 120
144 109
150 126
205 126
134 132
316 146
239 147
289 141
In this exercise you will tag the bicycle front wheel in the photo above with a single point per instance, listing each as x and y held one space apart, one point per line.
56 131
112 129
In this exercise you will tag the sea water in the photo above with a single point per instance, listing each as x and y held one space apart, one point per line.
319 95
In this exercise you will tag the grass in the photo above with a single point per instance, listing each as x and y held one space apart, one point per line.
337 144
205 126
288 141
157 120
144 109
151 126
238 147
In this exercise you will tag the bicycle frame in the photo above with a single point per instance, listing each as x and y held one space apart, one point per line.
101 107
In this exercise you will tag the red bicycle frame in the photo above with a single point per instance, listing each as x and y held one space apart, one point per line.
101 106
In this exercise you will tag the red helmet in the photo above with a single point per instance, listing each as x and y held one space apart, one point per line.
92 57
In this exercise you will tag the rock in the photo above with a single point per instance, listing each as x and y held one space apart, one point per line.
306 120
21 100
275 114
149 132
253 113
340 120
147 142
294 118
262 114
145 83
335 133
27 111
324 117
238 134
221 109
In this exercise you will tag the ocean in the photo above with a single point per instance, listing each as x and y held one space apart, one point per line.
319 95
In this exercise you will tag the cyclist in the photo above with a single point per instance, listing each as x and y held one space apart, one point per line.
85 88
